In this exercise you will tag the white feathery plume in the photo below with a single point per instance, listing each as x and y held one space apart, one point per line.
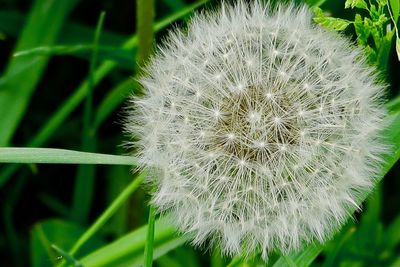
258 128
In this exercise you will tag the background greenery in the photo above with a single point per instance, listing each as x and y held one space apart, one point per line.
66 70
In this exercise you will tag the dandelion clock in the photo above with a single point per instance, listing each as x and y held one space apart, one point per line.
258 129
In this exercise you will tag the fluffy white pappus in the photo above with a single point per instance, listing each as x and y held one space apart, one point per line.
258 128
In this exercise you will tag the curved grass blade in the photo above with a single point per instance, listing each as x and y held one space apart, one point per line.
73 101
85 177
145 18
128 250
60 156
114 53
122 197
23 74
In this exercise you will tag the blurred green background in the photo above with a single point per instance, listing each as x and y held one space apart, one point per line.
44 103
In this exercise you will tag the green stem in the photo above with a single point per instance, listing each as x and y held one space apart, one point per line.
145 31
61 156
145 19
118 202
85 176
72 102
148 249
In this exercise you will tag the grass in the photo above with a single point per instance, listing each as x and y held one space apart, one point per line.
65 76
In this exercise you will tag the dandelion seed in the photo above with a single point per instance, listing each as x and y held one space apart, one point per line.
278 140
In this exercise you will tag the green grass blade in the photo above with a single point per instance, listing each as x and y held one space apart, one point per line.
395 7
315 3
23 74
12 22
113 100
145 16
105 216
54 204
392 234
175 4
128 250
72 102
145 20
394 105
84 182
67 257
121 56
57 50
63 234
60 156
216 258
303 258
148 248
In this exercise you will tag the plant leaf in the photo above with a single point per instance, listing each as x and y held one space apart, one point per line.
355 3
362 30
395 7
63 156
64 233
333 23
23 74
128 250
398 47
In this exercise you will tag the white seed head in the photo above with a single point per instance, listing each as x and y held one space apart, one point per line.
264 135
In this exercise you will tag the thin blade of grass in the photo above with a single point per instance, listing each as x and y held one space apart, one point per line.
67 257
175 4
54 204
73 101
105 216
23 74
114 99
148 248
60 156
392 234
12 22
303 258
145 17
128 250
84 181
114 53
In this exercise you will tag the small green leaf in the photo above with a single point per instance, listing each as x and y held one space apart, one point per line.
371 54
398 47
330 22
381 20
395 7
45 233
377 37
374 13
362 30
333 23
383 2
355 3
315 3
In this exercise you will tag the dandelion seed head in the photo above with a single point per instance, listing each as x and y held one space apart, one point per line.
258 128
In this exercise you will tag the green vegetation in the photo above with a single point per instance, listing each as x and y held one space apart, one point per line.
66 68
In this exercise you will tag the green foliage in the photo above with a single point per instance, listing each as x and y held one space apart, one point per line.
81 234
373 32
65 233
329 22
355 3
